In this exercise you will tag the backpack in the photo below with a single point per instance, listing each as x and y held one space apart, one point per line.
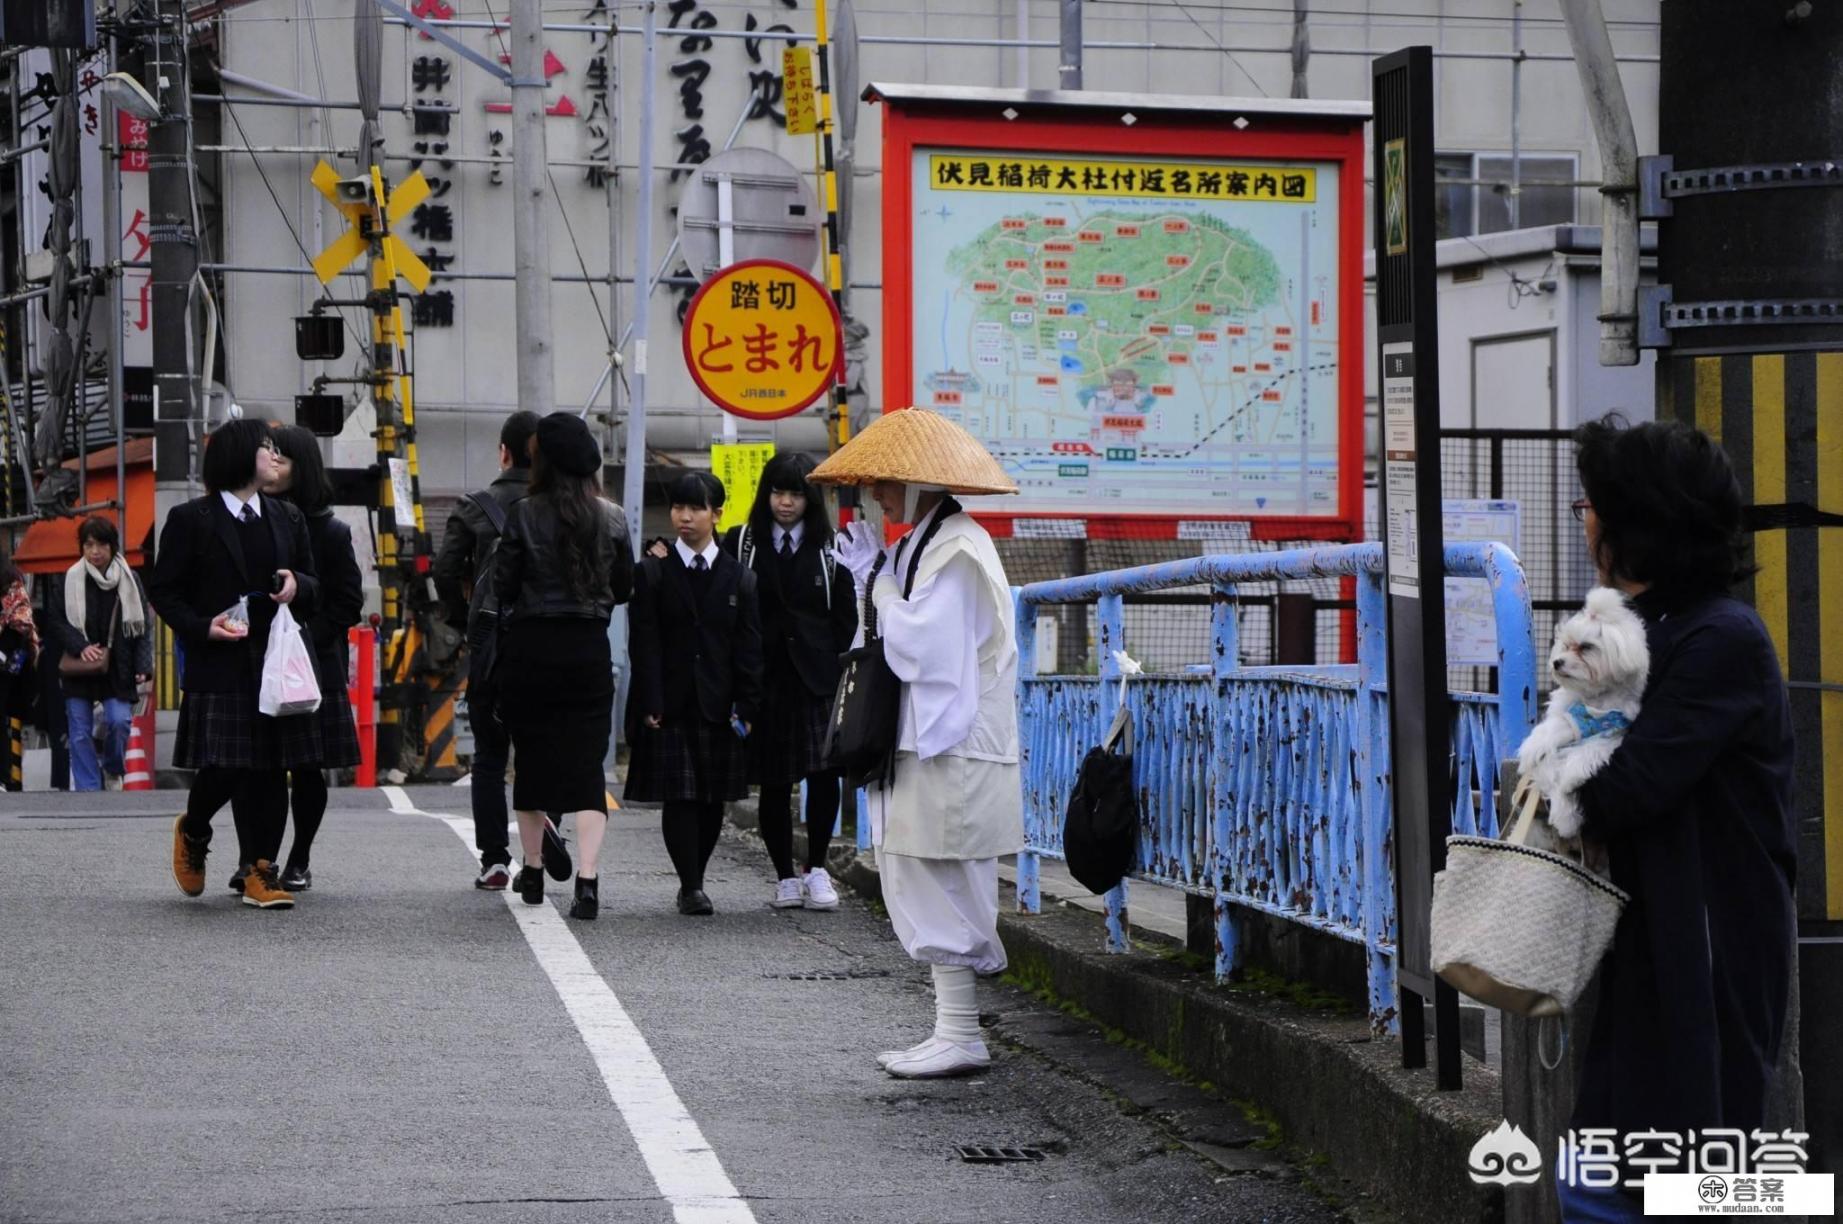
483 606
745 553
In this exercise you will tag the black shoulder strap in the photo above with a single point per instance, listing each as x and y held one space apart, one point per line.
489 506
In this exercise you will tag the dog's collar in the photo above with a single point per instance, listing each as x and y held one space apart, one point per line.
1590 724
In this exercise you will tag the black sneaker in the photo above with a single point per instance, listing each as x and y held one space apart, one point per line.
493 877
557 862
530 885
297 879
694 902
588 900
236 881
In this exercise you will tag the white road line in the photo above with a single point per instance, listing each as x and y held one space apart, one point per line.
680 1159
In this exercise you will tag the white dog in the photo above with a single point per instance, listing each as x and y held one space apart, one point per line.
1600 661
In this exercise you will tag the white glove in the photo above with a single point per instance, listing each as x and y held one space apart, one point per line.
857 548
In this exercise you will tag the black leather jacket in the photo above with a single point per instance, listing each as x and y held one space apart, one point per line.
528 573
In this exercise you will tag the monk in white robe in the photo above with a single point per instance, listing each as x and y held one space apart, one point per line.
953 806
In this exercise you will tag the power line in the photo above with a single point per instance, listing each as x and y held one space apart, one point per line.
1205 31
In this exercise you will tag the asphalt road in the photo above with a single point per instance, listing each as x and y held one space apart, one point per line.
401 1047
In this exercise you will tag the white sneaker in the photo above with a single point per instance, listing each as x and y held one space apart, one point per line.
820 894
787 894
944 1059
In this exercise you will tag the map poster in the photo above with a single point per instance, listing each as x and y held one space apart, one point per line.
1151 335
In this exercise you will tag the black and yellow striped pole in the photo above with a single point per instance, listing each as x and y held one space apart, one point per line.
839 426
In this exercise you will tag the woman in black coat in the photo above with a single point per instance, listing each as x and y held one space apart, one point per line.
233 554
299 475
1694 809
696 647
563 565
808 620
101 608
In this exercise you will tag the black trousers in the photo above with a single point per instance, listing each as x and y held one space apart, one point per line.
487 776
303 789
777 822
258 801
691 830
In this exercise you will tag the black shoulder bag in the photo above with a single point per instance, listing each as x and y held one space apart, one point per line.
1100 833
483 608
866 710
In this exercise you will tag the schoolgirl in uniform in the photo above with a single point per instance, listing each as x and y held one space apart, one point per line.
808 620
696 649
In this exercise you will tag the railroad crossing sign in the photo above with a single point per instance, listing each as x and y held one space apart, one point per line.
747 204
763 340
358 199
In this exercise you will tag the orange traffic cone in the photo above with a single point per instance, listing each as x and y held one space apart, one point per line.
137 766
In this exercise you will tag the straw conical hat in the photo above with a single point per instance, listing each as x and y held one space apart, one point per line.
915 446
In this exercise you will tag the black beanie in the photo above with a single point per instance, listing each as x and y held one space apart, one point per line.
568 445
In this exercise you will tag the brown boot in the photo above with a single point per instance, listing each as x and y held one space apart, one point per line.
188 860
261 888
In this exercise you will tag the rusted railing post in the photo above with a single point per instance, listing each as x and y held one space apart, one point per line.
1225 658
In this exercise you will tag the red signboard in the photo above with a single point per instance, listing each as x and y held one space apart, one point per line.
1200 271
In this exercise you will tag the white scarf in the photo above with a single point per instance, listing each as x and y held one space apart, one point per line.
117 578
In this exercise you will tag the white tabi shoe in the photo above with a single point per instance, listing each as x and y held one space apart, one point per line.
924 1046
947 1058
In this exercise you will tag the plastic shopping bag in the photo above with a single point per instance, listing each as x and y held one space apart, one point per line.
288 682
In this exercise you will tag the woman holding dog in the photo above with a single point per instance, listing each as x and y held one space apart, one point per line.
1694 811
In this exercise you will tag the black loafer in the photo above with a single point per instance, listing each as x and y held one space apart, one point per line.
236 881
530 885
693 902
297 879
556 855
588 900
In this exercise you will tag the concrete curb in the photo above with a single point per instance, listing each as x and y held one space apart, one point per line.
1332 1089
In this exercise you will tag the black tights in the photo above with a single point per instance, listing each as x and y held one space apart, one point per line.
264 797
254 806
777 822
691 828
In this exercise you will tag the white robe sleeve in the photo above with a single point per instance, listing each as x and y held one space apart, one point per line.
931 642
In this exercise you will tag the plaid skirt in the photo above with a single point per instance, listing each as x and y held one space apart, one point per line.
789 742
224 729
697 760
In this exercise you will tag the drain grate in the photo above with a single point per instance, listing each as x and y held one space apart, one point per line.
979 1153
829 975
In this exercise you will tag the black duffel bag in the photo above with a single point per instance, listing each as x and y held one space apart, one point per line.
1100 833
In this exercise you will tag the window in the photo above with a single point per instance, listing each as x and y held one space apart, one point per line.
1473 195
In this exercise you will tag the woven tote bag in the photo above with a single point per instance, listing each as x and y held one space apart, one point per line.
1516 927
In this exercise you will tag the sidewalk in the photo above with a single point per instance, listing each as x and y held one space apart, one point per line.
1336 1094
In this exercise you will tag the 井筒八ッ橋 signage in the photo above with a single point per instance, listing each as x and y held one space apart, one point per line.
1147 307
763 340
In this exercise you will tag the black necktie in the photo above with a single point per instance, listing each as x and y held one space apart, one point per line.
787 545
698 564
248 515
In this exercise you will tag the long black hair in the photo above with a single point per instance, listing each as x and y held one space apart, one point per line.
1668 505
309 487
788 474
581 530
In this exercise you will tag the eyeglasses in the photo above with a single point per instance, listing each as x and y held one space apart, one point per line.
1580 508
269 445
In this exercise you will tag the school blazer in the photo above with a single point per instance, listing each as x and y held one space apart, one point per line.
798 629
693 659
200 571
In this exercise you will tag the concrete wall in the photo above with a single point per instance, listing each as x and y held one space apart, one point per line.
465 374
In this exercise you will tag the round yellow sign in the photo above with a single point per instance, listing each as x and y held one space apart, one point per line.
763 339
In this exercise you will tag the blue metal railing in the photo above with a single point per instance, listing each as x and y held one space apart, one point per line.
1265 788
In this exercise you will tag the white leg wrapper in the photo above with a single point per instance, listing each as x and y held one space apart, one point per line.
956 1006
945 911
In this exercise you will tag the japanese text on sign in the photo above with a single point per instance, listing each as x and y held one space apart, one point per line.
762 339
801 104
1159 180
739 466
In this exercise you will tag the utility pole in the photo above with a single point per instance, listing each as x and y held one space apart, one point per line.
1068 67
531 212
633 491
1748 318
175 258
